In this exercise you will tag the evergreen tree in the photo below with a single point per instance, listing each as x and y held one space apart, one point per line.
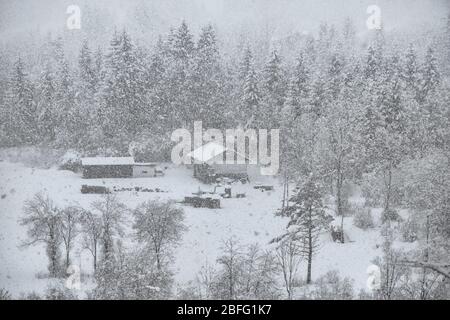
273 91
335 74
207 80
67 121
307 219
299 86
446 45
372 64
246 64
47 103
182 50
124 91
86 71
21 115
274 81
411 70
158 93
430 76
251 96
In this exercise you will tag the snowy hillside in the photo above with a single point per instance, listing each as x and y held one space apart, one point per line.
251 220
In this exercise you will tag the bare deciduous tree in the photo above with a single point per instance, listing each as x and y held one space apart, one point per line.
111 213
70 218
231 262
92 231
159 225
43 220
289 256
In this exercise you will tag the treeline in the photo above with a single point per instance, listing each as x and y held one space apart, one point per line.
128 94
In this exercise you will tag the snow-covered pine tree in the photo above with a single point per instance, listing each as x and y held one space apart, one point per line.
246 64
372 64
446 45
274 85
20 113
335 75
207 80
124 92
308 219
251 97
299 86
429 76
86 69
67 117
46 104
410 73
389 144
159 98
182 50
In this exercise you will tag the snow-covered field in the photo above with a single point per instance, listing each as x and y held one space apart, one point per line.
250 220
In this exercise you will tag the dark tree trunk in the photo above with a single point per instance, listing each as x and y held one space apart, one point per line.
310 248
388 189
67 257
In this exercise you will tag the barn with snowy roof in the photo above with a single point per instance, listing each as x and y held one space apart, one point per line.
210 163
115 167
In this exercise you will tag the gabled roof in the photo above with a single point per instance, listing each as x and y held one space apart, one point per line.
107 161
207 152
211 151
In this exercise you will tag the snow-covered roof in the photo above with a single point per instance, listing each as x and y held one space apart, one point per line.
207 152
210 152
145 164
107 161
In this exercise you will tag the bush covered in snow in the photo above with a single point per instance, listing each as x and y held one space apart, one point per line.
71 160
58 291
363 219
332 287
241 272
134 275
4 294
33 295
391 215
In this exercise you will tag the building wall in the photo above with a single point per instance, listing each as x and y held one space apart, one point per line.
107 171
229 168
254 172
143 171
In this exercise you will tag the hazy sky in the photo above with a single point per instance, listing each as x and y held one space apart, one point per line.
21 17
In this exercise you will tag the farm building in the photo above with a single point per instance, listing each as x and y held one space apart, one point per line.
115 167
209 164
144 169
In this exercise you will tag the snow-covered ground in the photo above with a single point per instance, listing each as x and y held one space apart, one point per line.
250 220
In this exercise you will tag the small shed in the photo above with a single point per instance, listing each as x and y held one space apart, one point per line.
144 170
